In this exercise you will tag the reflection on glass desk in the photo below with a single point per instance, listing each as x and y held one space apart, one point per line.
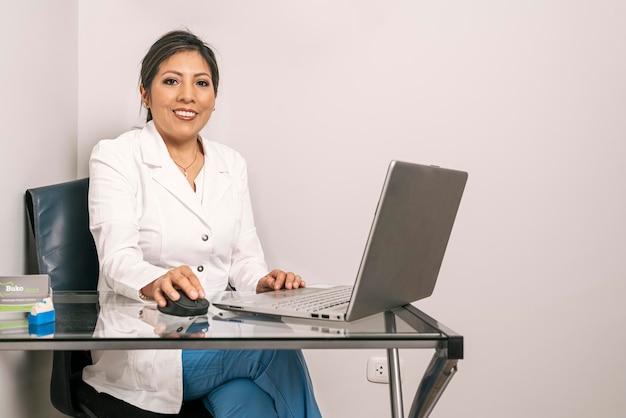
88 320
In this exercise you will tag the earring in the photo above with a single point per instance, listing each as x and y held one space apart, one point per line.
145 105
213 109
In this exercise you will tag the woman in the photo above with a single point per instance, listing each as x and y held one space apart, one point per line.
170 212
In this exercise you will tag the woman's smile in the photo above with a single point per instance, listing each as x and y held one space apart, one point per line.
185 114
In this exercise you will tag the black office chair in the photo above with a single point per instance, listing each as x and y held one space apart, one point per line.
64 249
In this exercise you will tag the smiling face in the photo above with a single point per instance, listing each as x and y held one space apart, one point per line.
181 97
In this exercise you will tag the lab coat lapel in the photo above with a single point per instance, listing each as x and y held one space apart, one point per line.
165 172
217 180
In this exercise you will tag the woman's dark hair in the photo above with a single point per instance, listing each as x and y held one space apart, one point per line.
168 45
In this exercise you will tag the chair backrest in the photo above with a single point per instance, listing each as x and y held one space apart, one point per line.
64 247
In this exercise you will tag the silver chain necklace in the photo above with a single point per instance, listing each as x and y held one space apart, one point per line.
186 168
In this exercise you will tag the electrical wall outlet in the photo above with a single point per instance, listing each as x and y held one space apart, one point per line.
378 369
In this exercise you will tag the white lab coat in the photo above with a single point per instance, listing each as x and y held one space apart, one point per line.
145 220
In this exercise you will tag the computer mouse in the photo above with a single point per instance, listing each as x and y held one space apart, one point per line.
184 306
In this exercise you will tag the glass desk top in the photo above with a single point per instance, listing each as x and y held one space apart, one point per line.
105 321
88 320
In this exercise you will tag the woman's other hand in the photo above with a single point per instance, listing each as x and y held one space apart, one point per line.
175 280
278 279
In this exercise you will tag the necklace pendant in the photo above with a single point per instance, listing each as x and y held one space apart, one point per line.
184 169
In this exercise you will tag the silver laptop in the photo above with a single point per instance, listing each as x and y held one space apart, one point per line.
402 257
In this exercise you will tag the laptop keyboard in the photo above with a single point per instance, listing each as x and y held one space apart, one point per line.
317 301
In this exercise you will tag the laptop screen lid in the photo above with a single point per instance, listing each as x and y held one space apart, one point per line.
408 238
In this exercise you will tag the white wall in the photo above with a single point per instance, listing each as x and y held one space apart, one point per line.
527 96
38 112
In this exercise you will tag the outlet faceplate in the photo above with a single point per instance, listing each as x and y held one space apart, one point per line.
378 369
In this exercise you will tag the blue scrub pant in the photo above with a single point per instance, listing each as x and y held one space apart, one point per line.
261 383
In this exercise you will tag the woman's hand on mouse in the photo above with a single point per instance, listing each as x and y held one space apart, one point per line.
175 280
278 279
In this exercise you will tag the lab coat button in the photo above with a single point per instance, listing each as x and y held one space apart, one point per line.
200 269
205 237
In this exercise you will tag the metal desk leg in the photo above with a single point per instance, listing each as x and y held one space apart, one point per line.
393 362
436 378
395 385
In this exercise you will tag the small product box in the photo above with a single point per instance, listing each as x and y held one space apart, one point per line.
41 318
42 312
18 294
